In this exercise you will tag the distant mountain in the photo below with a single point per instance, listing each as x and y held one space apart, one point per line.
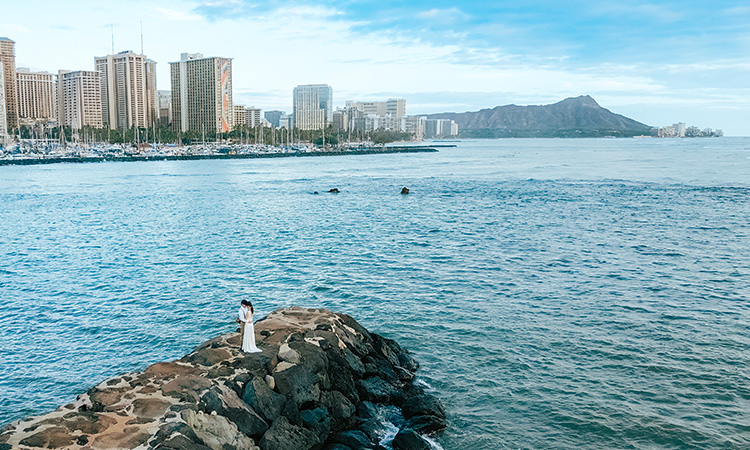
572 117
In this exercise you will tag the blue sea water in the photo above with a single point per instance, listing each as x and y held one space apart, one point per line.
560 294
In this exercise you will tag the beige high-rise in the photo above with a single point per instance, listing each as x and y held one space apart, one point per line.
36 96
79 101
128 90
202 93
3 117
8 58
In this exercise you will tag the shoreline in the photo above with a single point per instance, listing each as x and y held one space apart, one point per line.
319 380
95 159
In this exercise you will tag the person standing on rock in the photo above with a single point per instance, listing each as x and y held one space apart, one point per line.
247 329
241 319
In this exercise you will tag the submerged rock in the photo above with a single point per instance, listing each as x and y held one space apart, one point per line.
404 190
316 384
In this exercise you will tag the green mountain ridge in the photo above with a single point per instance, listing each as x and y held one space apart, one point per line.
573 117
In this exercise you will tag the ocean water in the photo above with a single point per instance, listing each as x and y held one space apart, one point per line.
560 294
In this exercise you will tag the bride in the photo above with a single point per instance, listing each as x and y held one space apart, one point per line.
248 337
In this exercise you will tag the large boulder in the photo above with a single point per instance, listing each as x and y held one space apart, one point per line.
217 432
286 436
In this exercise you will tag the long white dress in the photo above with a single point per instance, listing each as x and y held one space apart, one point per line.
248 339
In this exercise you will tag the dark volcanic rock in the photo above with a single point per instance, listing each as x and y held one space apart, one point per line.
408 439
316 385
286 436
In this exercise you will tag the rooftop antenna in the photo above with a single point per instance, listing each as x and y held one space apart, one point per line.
141 37
113 38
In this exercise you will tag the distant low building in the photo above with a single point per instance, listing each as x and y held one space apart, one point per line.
253 117
435 128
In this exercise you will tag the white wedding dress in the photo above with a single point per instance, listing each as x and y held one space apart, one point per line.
248 339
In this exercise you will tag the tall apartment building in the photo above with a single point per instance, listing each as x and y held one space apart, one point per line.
165 107
440 127
313 106
36 96
273 117
252 116
202 93
128 90
79 101
8 58
3 115
240 115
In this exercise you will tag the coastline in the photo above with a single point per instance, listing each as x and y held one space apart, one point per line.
320 380
95 159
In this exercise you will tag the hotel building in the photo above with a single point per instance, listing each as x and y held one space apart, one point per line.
202 93
79 101
36 96
313 106
8 60
128 90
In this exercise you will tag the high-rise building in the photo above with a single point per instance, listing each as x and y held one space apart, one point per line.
3 115
128 90
313 106
240 115
252 116
273 117
165 107
79 101
36 95
202 93
8 58
394 107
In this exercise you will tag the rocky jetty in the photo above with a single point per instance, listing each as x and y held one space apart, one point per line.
322 382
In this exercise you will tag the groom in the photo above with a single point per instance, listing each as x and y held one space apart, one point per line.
242 316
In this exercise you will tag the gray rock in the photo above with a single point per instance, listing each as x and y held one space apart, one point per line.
376 390
354 439
338 406
285 436
367 410
423 405
263 400
408 439
226 403
298 383
317 420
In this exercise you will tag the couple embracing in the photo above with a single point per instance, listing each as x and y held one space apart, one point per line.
247 330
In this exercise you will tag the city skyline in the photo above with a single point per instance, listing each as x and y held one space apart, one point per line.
657 63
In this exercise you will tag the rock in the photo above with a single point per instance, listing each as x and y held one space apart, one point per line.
150 407
426 424
299 383
408 439
288 355
339 407
407 362
53 437
263 400
216 432
318 421
376 390
423 405
313 386
285 436
404 190
333 191
354 439
225 402
367 410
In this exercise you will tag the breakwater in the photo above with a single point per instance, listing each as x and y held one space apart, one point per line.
192 157
321 380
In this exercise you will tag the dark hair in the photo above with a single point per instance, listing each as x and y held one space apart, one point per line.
252 310
244 302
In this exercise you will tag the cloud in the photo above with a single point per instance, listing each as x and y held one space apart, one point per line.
174 15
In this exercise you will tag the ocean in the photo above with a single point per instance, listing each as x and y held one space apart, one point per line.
560 294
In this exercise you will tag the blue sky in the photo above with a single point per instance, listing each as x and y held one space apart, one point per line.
658 62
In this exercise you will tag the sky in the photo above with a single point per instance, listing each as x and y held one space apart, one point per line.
658 62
